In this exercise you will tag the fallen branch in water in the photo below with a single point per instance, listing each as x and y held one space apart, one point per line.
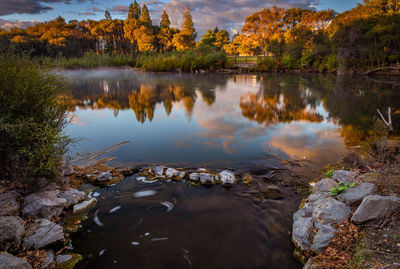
389 122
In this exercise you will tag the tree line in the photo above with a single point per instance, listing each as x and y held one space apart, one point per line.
364 36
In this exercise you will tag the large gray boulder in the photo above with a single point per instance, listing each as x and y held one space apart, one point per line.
344 176
324 185
330 211
43 233
315 198
8 261
304 212
10 203
44 204
323 238
357 194
11 232
375 207
72 196
302 229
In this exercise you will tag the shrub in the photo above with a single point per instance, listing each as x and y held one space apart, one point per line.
267 64
32 119
290 62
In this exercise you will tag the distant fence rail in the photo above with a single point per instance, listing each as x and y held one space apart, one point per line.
245 59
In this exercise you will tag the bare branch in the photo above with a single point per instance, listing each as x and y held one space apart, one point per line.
389 122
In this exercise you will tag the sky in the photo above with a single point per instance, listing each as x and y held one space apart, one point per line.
226 14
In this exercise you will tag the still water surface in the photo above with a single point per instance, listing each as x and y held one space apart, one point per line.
290 124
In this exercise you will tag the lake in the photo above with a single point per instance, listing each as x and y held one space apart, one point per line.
282 129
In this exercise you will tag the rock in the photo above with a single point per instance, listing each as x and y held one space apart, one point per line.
206 178
104 176
11 232
181 174
323 238
49 260
159 170
85 205
63 258
315 198
324 185
391 266
72 196
304 212
310 265
375 207
302 229
194 176
344 176
202 170
357 194
330 211
10 203
43 233
44 204
271 192
87 188
8 261
171 172
227 177
68 261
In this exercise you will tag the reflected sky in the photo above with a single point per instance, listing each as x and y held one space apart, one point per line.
213 119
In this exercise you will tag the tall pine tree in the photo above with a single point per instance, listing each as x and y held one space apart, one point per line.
134 11
165 23
107 15
145 18
186 38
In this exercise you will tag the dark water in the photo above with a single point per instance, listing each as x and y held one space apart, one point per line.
277 127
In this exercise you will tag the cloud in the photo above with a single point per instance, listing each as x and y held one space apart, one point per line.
96 9
8 7
87 14
121 9
7 24
225 14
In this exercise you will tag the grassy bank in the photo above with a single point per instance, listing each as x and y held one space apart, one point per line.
32 119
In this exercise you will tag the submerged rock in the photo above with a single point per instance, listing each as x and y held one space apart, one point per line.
206 178
171 172
72 196
68 261
8 261
43 233
344 176
104 176
227 177
11 232
85 205
330 211
375 207
357 194
182 174
10 203
301 232
44 204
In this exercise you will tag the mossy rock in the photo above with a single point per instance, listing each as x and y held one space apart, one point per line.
71 262
247 180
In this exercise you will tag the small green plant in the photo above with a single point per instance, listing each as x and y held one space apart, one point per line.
341 187
329 173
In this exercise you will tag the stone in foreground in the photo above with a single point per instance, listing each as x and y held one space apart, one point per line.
159 170
11 232
43 233
8 261
104 176
171 172
375 207
206 178
72 196
302 229
323 238
194 176
85 205
357 194
10 203
324 185
49 260
344 176
44 204
330 211
227 177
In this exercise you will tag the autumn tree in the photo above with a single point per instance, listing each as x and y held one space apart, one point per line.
166 33
185 39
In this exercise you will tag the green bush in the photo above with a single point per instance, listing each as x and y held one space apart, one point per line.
267 64
290 62
32 119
